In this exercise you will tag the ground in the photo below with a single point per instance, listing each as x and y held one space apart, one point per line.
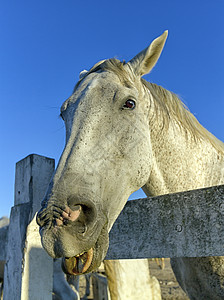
170 289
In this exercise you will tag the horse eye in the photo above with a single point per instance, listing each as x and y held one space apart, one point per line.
129 104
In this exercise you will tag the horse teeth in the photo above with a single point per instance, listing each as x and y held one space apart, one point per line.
80 254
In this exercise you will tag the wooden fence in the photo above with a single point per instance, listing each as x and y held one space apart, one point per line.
187 224
175 225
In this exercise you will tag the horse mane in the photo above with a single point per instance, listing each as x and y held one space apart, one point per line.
166 103
173 108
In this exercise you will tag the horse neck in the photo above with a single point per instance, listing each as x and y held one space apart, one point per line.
182 163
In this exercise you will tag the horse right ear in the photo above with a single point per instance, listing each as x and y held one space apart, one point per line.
143 62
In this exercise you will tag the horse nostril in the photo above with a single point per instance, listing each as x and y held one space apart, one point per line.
72 214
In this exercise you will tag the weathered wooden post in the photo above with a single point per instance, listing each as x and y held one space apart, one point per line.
28 270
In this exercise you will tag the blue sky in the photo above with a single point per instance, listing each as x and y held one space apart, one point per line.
46 43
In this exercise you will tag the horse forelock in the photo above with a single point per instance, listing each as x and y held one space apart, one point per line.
114 65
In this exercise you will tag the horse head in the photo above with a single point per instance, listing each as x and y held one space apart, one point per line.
107 157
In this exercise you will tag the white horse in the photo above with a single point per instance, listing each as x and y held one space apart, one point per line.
123 133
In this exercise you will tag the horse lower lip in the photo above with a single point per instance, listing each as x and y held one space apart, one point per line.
78 264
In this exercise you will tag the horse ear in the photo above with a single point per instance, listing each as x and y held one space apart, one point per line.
82 74
143 62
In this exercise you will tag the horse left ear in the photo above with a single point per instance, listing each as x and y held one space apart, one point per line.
82 74
143 62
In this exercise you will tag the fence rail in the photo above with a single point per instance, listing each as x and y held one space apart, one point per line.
187 224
